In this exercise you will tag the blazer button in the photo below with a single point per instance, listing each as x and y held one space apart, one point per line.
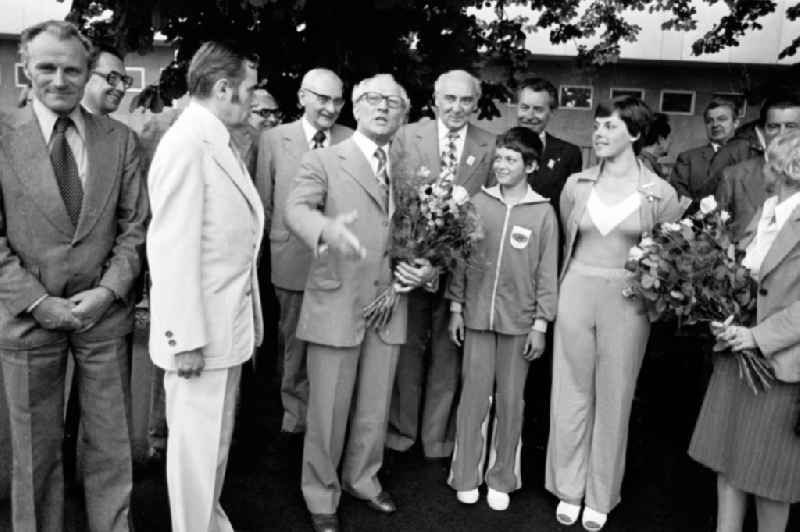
172 343
168 334
377 283
762 291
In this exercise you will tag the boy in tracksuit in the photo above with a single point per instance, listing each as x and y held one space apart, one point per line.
501 304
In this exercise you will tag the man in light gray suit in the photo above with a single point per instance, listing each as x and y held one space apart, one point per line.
72 224
279 153
350 366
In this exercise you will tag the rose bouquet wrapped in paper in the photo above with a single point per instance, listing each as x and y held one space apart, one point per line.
433 220
691 271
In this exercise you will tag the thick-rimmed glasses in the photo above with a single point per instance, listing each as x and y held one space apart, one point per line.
375 99
266 113
114 78
324 99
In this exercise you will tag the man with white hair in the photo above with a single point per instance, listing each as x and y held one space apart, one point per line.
454 149
279 153
340 206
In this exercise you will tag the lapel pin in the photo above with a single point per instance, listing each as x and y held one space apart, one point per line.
470 160
551 163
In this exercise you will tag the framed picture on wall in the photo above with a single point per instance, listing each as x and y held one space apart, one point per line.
677 102
137 73
737 98
618 92
575 96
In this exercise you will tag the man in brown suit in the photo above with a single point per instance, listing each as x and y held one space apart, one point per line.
72 224
279 153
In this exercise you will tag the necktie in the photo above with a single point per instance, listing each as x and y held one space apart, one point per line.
383 175
318 139
449 160
66 170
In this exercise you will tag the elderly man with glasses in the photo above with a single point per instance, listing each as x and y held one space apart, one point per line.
340 207
108 81
279 153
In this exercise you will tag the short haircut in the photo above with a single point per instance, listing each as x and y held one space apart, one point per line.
634 112
721 101
522 140
61 29
659 129
540 85
476 83
214 61
361 88
783 155
782 99
102 48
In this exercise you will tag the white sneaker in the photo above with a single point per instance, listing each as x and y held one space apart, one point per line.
566 513
467 496
497 500
593 520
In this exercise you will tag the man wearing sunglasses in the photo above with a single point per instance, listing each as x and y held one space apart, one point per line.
107 81
279 153
264 111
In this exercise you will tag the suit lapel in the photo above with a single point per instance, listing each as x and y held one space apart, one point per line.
474 152
294 140
339 133
788 237
427 143
235 171
356 165
101 175
754 186
28 154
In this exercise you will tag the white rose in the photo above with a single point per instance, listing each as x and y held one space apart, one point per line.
687 222
635 253
424 172
460 195
671 227
708 204
724 216
647 242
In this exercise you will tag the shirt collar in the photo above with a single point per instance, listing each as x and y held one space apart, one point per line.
444 130
368 146
530 196
543 138
215 131
310 130
47 119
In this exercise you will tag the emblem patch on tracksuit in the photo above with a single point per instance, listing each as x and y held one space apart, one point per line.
520 236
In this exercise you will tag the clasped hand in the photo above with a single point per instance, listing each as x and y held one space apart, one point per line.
734 337
410 277
77 313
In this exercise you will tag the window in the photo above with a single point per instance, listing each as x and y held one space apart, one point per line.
137 73
737 98
20 79
617 92
575 96
677 102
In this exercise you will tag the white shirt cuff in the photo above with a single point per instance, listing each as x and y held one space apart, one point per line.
456 307
540 325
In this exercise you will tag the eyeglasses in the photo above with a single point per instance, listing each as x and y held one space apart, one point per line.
324 99
115 78
375 99
266 113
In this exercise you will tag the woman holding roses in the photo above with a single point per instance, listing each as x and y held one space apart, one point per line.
600 336
747 438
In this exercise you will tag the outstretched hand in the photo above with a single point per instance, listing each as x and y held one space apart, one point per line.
342 240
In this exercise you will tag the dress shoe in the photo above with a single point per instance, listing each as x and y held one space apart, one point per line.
467 496
593 521
566 513
325 522
382 503
497 500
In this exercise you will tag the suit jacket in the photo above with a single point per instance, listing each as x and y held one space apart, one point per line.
202 246
559 160
737 150
279 152
417 145
334 181
42 253
741 192
690 175
778 302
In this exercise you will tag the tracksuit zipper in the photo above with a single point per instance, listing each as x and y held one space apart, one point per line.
497 266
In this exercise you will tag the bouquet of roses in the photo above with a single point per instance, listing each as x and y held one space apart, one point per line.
433 220
691 271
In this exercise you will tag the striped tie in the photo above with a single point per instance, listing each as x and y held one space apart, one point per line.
383 175
66 170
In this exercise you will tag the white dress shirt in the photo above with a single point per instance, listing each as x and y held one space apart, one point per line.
368 147
76 136
773 217
310 131
444 139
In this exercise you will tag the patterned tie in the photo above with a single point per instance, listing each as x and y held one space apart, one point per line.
449 160
383 175
318 139
66 170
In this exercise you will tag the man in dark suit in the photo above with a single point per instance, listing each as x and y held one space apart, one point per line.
537 102
72 224
690 175
452 144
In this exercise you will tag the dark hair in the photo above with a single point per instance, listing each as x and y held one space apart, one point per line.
659 129
634 112
721 101
780 99
103 48
522 140
540 85
61 29
214 61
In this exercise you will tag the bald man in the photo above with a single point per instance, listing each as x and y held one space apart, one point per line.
279 153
